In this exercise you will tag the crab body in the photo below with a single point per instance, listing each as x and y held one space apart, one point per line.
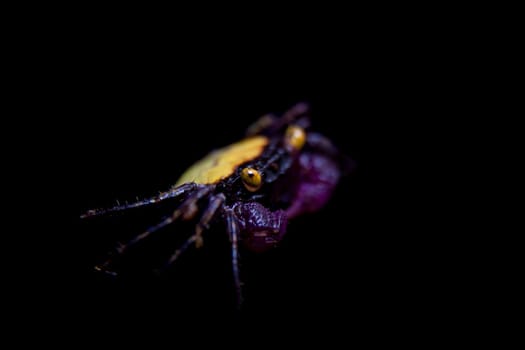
253 187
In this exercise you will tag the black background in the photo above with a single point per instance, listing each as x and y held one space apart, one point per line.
122 106
351 257
140 117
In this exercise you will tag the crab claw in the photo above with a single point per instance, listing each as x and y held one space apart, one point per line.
261 228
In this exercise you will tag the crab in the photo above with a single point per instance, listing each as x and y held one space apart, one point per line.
279 171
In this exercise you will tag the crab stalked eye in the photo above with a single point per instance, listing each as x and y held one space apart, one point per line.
251 179
295 137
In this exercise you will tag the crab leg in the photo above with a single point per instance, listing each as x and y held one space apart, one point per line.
270 122
214 205
187 209
172 193
233 231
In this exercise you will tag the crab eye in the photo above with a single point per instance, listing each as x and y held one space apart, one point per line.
251 179
295 137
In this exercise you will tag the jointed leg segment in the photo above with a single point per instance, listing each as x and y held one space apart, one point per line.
173 193
187 210
233 231
214 205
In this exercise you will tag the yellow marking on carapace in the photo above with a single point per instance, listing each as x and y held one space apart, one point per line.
221 163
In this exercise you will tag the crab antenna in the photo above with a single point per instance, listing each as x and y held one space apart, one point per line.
172 193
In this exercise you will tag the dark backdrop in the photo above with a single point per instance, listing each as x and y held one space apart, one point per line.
129 109
141 125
